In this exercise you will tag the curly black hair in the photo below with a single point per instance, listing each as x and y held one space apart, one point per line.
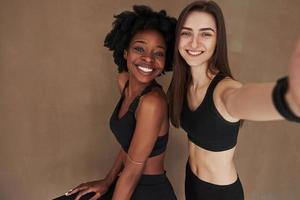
128 23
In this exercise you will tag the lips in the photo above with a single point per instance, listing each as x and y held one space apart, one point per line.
145 68
194 52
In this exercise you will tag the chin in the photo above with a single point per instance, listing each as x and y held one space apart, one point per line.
195 63
144 80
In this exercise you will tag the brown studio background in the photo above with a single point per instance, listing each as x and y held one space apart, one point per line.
58 88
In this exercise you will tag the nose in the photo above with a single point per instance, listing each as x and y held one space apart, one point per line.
148 57
194 43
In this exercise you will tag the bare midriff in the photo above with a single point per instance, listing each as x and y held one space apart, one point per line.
214 167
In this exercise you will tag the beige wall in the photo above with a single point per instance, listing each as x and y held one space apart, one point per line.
58 88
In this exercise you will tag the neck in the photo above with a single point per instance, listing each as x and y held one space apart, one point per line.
200 76
135 87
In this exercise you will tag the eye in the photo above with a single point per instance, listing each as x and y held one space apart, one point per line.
206 34
185 33
139 49
159 54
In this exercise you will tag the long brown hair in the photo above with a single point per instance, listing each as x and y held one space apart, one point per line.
181 70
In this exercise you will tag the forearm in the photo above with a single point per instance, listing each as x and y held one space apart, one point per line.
252 102
116 168
127 182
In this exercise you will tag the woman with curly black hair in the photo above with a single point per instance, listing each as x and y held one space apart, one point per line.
142 45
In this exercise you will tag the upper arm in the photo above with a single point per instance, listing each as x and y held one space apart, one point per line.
150 115
224 98
122 79
251 101
149 118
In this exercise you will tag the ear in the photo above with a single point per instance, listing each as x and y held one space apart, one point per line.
125 54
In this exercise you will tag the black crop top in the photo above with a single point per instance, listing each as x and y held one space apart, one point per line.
123 128
205 126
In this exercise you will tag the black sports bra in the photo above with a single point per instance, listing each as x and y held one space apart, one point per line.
205 126
123 128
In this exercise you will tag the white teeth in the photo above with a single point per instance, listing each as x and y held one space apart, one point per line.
145 69
194 53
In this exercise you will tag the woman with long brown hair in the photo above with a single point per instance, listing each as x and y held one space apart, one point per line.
209 104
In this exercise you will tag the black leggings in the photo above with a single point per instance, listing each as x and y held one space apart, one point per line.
196 189
150 187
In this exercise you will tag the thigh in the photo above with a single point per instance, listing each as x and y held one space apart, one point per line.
73 196
149 188
155 190
106 196
233 191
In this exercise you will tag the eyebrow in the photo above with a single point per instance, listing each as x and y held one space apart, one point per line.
201 29
143 42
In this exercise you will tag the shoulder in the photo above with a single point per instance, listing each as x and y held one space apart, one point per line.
154 102
226 86
223 90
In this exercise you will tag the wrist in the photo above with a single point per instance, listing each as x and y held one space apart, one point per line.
292 103
284 102
109 179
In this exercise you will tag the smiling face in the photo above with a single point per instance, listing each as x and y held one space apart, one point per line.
198 38
146 56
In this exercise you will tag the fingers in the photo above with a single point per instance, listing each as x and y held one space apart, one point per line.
76 189
69 192
96 196
82 193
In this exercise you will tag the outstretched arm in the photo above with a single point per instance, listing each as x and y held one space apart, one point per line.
254 101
